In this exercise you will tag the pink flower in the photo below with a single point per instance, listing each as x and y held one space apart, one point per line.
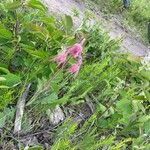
60 58
74 68
75 50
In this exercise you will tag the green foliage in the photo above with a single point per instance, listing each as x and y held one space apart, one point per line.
8 79
68 24
5 97
4 33
6 117
116 84
98 43
28 43
36 4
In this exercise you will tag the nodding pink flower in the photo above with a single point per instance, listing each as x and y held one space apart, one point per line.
75 50
60 58
74 68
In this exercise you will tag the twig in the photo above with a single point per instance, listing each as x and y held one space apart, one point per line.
20 109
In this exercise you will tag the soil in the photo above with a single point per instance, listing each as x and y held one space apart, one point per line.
112 25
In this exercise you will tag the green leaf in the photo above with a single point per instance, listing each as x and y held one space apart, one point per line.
144 118
35 148
36 53
4 70
102 109
146 127
9 79
2 8
147 94
120 144
4 87
145 74
124 106
4 33
140 97
50 99
36 28
106 141
12 5
68 23
36 4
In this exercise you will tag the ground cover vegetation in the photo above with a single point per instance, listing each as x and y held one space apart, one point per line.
69 68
